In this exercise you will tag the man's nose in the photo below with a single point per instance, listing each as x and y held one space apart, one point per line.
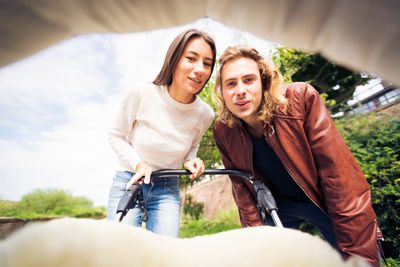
240 89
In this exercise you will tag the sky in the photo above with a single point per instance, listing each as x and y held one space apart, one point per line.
57 105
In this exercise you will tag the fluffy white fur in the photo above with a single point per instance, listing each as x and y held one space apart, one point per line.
82 242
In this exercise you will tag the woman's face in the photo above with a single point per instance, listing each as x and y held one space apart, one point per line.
193 68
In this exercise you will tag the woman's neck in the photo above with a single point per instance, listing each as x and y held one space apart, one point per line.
180 95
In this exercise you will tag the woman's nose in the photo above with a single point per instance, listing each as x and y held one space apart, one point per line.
199 67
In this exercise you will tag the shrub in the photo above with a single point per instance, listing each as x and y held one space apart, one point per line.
192 208
392 262
50 202
7 208
374 140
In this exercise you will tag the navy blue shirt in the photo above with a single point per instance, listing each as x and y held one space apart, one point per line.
267 163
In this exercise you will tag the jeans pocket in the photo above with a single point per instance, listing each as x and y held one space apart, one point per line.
172 185
120 180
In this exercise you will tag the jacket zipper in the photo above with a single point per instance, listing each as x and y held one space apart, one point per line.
270 135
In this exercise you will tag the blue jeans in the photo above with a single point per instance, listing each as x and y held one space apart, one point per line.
162 202
293 213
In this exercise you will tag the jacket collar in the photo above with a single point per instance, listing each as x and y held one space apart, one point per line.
268 127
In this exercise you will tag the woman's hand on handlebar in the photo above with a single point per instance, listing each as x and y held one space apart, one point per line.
142 170
196 166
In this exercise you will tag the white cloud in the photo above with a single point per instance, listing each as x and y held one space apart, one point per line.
56 107
38 91
75 156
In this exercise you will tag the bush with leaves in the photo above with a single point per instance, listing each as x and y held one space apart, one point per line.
50 202
374 140
7 208
193 208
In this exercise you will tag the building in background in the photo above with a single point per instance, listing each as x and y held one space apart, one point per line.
380 96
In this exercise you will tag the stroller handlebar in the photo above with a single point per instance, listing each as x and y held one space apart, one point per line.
173 172
264 197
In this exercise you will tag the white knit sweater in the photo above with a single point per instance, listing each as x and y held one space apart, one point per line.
152 127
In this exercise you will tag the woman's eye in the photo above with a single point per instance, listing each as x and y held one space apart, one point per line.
190 58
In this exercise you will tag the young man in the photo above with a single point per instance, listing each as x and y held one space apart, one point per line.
283 134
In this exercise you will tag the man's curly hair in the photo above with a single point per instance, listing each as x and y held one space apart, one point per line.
272 85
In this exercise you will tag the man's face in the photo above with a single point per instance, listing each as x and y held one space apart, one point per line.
242 88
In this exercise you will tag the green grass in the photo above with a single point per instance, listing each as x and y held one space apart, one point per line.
224 221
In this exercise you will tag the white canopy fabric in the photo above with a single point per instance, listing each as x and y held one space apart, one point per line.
360 34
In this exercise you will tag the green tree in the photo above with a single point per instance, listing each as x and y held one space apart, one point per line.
334 82
208 150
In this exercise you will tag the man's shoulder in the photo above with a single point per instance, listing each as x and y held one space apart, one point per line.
220 126
298 95
298 90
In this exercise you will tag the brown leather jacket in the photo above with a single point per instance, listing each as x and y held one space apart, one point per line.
317 158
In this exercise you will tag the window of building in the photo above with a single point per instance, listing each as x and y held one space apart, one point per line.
369 106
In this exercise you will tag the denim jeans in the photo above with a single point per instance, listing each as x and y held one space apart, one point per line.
162 201
293 213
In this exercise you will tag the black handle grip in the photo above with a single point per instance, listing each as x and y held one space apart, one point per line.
264 196
128 200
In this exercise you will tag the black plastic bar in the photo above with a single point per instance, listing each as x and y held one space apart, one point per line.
268 203
173 172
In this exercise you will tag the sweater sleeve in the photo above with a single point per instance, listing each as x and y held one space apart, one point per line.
123 127
196 141
345 189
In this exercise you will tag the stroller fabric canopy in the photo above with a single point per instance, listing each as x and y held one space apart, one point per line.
360 34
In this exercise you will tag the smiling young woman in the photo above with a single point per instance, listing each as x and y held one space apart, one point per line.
159 126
